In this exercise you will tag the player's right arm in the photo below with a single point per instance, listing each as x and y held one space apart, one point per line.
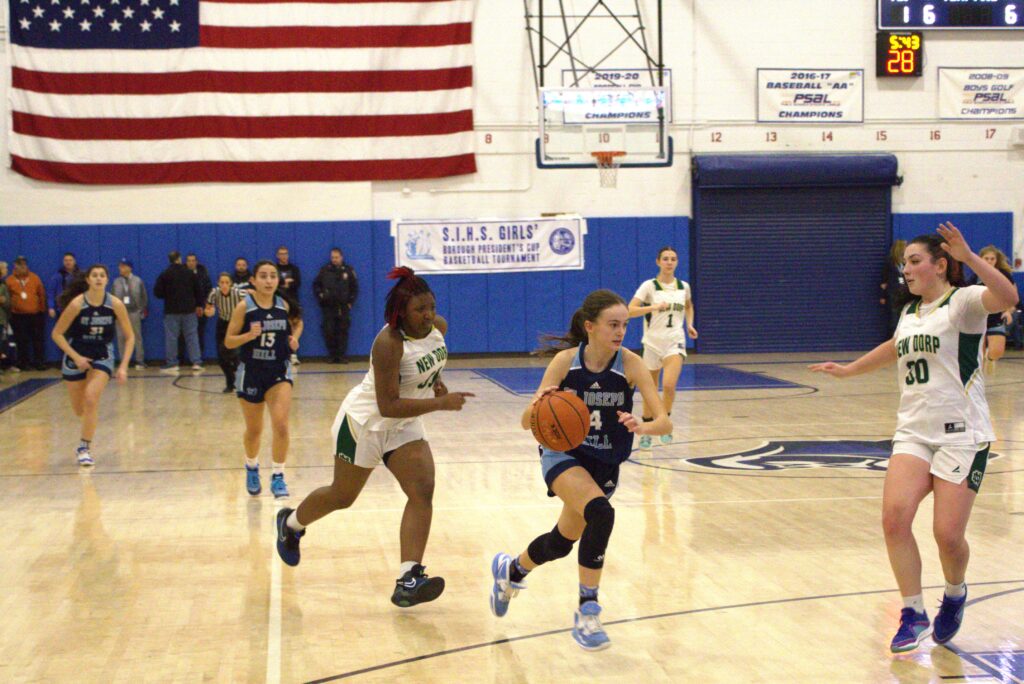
67 317
553 376
882 355
234 337
386 356
638 308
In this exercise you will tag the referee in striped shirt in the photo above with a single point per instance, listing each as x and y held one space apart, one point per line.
223 299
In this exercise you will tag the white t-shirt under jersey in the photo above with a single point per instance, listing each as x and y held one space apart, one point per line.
421 364
942 389
664 327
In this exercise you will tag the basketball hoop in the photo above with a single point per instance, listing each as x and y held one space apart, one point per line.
608 164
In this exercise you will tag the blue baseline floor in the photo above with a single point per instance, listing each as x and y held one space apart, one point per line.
11 396
694 377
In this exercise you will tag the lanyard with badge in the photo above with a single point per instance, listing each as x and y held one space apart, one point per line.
127 291
24 286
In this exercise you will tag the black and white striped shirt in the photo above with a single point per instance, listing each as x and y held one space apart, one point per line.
225 303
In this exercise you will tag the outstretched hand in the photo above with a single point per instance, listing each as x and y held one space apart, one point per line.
836 370
954 243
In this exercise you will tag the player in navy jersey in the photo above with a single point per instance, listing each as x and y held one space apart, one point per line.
85 333
267 329
590 361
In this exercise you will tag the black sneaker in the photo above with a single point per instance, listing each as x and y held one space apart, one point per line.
415 587
287 538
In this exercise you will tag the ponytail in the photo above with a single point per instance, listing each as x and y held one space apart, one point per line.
408 286
595 302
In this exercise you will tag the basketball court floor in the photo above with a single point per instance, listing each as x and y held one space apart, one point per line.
747 550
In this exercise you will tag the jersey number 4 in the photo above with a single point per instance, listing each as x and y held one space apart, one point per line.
917 372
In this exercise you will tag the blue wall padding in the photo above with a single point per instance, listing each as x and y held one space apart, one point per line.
496 313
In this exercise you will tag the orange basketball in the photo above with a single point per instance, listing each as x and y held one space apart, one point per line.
560 421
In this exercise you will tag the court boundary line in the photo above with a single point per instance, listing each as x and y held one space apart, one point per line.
658 616
47 384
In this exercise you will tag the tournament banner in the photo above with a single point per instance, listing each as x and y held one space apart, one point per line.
810 96
981 93
493 246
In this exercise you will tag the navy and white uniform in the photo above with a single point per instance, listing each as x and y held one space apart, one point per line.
608 443
91 334
266 360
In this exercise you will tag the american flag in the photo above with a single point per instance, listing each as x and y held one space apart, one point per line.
181 91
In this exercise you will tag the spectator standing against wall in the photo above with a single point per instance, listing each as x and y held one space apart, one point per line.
241 275
290 278
222 301
893 283
28 315
5 319
130 289
60 280
336 289
205 285
183 302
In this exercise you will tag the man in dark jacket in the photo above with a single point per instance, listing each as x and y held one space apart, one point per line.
336 289
289 274
183 302
205 284
60 280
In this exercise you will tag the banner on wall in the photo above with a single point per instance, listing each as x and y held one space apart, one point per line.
810 96
981 93
491 246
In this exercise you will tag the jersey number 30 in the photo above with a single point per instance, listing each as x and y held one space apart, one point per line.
917 372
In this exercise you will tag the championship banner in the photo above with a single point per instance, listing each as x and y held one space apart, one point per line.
458 247
805 96
986 93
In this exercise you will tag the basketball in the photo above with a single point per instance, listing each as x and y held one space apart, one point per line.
560 421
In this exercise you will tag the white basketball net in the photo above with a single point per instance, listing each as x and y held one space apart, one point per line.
608 166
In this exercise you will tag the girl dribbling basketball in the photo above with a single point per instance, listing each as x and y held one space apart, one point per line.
591 362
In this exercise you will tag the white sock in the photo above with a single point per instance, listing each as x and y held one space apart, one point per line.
406 567
293 522
915 602
278 468
956 590
252 462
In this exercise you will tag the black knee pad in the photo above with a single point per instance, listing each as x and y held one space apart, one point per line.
600 517
549 546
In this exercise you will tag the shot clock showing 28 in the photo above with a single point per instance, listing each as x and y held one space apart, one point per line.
950 14
898 54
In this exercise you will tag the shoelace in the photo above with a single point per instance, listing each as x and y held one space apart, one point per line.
508 592
590 624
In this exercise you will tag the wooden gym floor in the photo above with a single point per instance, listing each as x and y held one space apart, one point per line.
749 549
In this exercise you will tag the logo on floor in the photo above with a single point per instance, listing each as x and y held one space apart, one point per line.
800 454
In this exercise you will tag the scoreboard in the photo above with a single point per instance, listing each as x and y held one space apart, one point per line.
898 54
896 15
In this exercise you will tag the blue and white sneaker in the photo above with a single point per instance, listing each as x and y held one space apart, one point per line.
416 587
504 589
914 628
947 622
287 538
645 442
666 439
277 486
252 480
84 457
587 629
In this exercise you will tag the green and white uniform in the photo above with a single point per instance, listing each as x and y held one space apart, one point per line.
664 331
362 436
943 415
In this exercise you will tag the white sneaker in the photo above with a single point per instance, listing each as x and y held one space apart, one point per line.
85 458
170 370
14 369
197 366
140 366
295 360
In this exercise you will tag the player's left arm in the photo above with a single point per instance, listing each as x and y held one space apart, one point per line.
1000 294
690 310
121 313
637 374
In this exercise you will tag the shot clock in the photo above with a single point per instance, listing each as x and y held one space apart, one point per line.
898 54
898 15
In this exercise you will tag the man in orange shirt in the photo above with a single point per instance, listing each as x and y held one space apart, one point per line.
28 314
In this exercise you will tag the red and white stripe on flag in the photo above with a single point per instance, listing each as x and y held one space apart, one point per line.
270 91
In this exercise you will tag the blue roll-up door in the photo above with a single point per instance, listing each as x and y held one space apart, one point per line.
789 251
